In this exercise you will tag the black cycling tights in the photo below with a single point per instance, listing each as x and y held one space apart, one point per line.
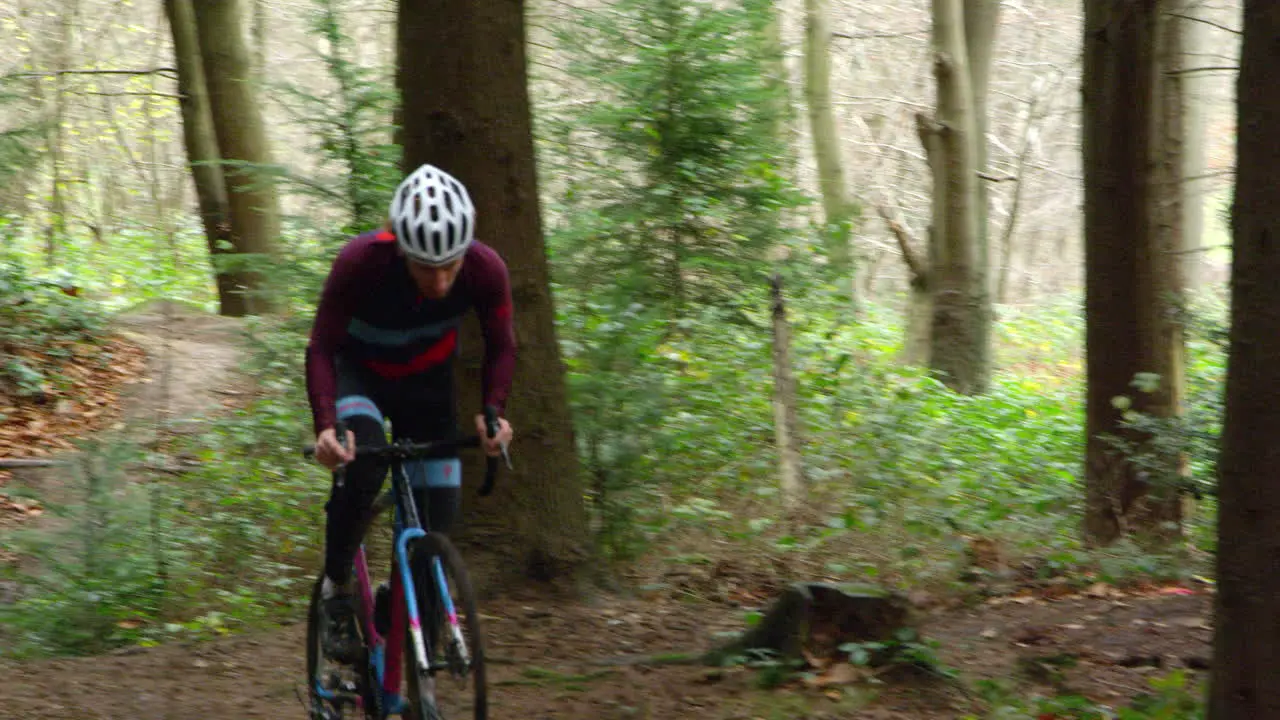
420 409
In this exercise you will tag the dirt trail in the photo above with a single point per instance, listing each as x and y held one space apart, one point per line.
545 664
544 651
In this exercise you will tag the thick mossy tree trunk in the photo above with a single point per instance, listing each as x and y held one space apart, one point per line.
202 145
1246 647
237 121
463 85
1131 231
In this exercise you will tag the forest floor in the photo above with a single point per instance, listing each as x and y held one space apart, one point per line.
550 655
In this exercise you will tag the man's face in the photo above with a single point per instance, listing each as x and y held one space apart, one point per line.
434 282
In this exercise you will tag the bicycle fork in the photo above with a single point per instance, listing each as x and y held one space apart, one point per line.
405 607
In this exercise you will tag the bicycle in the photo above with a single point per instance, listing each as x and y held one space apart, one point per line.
388 620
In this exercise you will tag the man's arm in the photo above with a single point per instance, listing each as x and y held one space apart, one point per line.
327 333
493 305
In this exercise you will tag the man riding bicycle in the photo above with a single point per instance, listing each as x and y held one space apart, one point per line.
383 345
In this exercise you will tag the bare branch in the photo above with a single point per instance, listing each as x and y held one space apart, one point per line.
997 178
871 35
906 243
1206 22
1209 68
1202 248
875 98
55 73
28 462
175 96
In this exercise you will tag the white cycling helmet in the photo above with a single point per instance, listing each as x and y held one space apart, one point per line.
432 216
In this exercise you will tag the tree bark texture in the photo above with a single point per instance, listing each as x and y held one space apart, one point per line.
237 121
959 350
1131 272
462 78
1246 646
202 147
981 20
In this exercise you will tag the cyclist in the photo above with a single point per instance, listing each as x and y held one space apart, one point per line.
382 345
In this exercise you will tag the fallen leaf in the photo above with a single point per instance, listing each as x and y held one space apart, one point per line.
990 633
1177 591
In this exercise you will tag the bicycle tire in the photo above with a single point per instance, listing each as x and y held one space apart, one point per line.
366 680
423 549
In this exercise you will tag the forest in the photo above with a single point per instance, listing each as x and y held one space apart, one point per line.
893 359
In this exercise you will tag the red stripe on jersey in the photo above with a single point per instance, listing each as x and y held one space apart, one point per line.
384 236
431 357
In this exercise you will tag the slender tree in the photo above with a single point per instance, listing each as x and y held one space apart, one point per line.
1246 646
462 79
786 421
1185 49
202 148
242 139
838 207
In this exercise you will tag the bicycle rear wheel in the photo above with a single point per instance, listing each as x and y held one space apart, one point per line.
457 688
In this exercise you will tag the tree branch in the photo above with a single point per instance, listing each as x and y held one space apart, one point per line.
8 463
55 73
175 96
1208 68
871 35
905 243
997 178
1206 22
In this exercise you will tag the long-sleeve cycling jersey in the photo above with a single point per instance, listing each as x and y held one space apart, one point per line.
372 314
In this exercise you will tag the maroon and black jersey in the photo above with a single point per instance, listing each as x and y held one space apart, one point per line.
372 315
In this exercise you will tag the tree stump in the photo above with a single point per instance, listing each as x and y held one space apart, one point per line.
812 620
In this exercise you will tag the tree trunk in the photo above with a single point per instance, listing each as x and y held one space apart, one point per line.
1160 262
1130 270
786 423
466 109
258 34
1005 272
961 299
981 19
775 67
837 208
237 122
202 148
1246 646
1187 46
57 230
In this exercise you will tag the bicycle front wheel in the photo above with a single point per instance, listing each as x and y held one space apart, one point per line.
454 685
